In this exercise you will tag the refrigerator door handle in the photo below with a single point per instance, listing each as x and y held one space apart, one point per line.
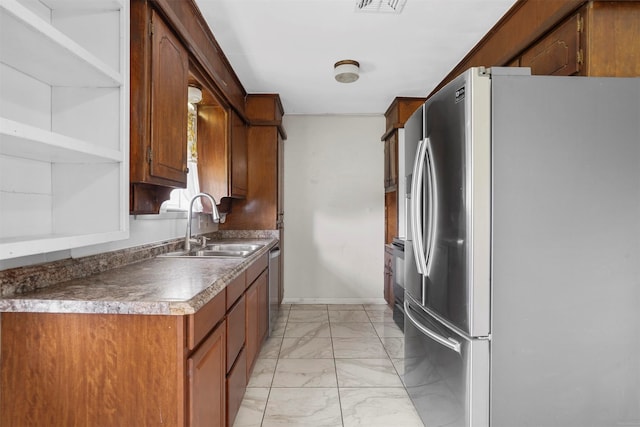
432 189
450 343
416 212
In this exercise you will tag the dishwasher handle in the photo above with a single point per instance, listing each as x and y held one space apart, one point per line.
274 253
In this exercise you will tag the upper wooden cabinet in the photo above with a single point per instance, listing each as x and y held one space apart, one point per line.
222 153
168 110
263 207
396 116
172 47
562 37
158 127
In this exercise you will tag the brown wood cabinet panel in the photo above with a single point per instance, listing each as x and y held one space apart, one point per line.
251 324
260 209
222 153
207 384
391 162
235 331
236 386
525 22
391 216
202 321
558 53
169 81
213 168
158 115
400 110
263 208
257 318
236 288
238 160
611 39
92 370
264 109
254 270
185 16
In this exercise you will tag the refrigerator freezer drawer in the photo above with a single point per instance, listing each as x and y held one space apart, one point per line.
446 374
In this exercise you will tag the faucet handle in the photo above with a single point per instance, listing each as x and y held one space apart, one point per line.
203 240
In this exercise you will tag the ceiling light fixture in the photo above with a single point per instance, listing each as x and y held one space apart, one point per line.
195 95
346 71
385 6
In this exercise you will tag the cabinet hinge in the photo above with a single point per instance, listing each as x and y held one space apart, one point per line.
580 24
149 155
151 28
579 56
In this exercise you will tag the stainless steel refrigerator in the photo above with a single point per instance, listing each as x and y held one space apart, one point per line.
522 291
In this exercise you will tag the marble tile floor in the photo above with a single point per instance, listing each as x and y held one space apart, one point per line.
330 365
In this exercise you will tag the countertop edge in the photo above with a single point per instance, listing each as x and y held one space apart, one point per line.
28 303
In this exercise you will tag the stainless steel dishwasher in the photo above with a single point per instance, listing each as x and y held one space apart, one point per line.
274 281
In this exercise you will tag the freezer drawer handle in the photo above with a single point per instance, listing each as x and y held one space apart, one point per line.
450 343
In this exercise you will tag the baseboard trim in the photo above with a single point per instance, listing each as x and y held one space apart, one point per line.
333 301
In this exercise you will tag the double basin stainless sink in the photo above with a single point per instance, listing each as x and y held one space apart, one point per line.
218 250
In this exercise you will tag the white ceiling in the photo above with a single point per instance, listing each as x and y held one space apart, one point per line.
289 47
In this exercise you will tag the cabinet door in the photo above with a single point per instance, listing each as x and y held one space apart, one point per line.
207 382
238 156
257 320
393 160
235 331
557 54
170 76
251 335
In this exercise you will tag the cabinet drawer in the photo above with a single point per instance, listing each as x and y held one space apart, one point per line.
256 268
235 331
202 321
236 386
235 289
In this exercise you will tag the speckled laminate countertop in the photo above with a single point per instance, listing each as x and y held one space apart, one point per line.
161 285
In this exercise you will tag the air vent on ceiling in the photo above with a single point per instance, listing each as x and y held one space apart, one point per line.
380 6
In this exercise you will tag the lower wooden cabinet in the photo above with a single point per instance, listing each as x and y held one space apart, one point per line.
133 370
207 386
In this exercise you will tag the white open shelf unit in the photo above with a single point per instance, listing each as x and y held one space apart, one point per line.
64 124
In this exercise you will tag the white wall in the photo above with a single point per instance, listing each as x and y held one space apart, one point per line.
143 229
334 209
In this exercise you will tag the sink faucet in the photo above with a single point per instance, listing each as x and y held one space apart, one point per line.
215 215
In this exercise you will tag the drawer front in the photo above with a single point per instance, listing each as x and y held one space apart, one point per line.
256 268
235 289
235 331
202 321
236 386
